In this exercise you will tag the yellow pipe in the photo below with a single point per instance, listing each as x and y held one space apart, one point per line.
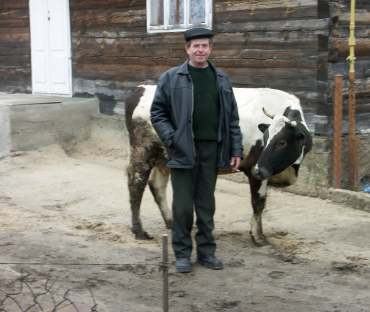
352 140
351 39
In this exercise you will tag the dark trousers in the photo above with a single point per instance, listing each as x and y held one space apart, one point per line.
194 188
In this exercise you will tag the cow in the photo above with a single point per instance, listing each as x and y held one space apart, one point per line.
275 140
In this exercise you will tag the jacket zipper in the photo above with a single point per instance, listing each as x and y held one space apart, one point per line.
220 120
191 120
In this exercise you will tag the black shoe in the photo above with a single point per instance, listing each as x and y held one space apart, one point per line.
211 262
183 265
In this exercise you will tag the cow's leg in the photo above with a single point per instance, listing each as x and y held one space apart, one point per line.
158 185
258 196
137 178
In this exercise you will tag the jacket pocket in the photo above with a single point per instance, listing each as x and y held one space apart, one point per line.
175 148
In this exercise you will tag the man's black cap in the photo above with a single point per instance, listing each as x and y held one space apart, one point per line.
196 33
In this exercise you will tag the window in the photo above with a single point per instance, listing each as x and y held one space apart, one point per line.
178 15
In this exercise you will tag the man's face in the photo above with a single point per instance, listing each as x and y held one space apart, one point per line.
198 51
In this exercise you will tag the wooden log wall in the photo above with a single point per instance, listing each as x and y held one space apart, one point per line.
338 52
277 43
294 45
15 50
112 52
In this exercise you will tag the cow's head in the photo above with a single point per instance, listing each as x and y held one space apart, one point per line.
286 142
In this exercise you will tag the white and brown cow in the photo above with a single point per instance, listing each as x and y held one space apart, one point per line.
275 140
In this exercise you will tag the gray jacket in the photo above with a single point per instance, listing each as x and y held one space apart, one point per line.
171 116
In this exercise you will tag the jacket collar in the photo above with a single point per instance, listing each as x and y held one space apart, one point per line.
183 69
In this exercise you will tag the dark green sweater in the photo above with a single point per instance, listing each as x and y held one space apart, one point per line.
206 106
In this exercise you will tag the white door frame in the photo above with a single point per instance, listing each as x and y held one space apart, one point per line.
49 67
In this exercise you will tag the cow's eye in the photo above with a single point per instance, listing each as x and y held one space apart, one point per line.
300 136
281 144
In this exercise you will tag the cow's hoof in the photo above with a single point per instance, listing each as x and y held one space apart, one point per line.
259 241
143 236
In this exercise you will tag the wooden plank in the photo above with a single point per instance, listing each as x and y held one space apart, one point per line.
255 5
109 32
15 71
98 4
17 23
17 87
341 47
13 4
15 79
293 64
14 35
261 54
363 106
344 6
10 13
269 40
302 79
114 50
361 31
309 25
108 18
362 67
127 46
14 18
362 88
118 73
119 49
248 13
15 48
119 61
258 39
12 60
362 18
107 52
222 42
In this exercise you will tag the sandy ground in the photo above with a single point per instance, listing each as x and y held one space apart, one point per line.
66 244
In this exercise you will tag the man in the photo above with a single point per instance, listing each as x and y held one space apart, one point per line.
195 115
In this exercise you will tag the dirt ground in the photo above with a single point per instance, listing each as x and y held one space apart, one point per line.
66 245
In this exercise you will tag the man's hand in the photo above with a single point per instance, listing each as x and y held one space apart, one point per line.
234 163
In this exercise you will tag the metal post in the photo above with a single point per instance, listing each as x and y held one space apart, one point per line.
352 143
165 271
337 135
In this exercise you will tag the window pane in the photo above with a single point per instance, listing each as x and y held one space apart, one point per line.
176 12
197 11
156 14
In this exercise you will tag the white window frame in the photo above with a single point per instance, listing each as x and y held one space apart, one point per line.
182 27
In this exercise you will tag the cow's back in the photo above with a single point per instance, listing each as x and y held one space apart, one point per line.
250 102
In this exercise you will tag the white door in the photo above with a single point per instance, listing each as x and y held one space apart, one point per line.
51 47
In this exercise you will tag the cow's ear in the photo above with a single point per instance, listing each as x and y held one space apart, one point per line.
263 127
